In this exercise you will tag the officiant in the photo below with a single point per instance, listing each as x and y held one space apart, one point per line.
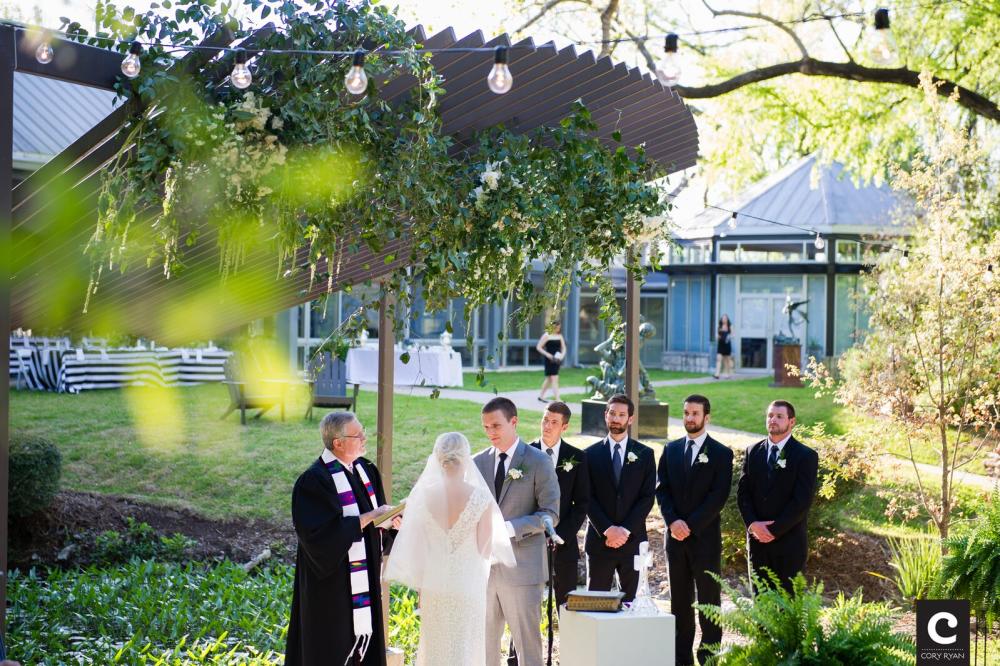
336 615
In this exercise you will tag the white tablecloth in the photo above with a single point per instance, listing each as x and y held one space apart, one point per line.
426 367
599 639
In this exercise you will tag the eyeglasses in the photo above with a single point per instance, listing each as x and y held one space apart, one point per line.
362 436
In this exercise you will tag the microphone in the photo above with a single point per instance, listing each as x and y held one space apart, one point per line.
550 529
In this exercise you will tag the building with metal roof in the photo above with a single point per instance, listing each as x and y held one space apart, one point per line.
802 234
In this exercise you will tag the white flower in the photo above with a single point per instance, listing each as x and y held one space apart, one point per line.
277 123
631 457
567 466
491 179
515 473
702 458
781 463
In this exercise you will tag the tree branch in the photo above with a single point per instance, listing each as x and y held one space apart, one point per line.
761 17
973 101
640 44
548 6
607 16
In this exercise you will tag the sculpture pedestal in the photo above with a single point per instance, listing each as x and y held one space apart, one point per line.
654 416
599 639
787 355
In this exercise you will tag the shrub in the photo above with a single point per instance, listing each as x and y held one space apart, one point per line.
35 469
793 629
139 541
971 569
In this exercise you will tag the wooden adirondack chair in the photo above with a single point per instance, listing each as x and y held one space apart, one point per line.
328 384
243 397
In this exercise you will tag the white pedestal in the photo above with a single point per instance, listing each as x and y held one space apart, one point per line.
600 639
394 657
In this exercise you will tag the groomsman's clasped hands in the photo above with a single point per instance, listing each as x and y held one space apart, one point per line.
493 523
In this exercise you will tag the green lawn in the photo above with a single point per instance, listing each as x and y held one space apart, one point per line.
527 380
218 468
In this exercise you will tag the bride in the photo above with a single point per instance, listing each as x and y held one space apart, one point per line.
452 533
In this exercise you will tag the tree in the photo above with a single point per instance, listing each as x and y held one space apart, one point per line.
930 363
782 90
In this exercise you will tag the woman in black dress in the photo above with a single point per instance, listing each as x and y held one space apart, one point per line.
552 347
724 351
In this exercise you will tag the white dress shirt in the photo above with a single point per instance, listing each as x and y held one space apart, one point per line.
611 445
699 441
780 444
554 449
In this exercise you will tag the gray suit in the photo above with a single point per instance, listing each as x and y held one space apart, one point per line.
514 594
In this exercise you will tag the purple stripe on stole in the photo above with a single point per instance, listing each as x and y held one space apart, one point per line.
347 497
361 600
359 565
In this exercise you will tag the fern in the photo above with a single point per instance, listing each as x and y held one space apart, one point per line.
971 570
784 628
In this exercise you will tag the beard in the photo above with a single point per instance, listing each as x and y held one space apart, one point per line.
616 429
689 427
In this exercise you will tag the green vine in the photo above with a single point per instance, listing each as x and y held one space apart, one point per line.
296 164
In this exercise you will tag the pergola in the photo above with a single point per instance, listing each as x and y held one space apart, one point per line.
547 81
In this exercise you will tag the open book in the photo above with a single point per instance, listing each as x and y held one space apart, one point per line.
390 514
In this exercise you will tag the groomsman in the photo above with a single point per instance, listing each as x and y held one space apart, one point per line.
695 476
574 494
622 491
774 494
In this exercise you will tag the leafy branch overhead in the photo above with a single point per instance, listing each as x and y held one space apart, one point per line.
297 165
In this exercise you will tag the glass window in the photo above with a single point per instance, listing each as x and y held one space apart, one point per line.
848 252
816 311
592 330
769 252
770 284
727 252
653 309
852 315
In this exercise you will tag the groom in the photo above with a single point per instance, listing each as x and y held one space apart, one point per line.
527 490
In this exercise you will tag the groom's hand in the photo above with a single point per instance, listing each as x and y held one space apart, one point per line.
679 530
760 532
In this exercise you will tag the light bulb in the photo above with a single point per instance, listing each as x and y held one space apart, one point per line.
131 64
500 79
732 221
882 45
44 53
669 71
241 77
904 261
356 80
988 277
819 242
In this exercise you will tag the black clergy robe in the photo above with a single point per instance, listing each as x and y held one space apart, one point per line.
321 631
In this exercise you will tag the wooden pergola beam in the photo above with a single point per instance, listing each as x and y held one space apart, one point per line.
632 289
7 59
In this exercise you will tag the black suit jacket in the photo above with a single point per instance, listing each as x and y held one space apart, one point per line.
785 498
695 496
574 496
626 504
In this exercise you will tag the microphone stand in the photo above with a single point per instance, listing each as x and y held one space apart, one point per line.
551 549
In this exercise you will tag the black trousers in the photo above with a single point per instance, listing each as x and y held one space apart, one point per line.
566 579
602 573
785 562
689 573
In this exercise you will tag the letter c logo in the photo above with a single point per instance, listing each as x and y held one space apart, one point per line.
932 625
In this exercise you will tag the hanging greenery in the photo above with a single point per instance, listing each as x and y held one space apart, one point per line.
298 165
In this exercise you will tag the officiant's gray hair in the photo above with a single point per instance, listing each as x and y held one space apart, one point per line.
451 447
333 425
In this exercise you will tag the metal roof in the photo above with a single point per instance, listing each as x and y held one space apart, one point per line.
50 114
546 82
806 194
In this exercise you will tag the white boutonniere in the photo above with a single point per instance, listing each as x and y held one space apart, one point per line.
569 465
781 462
515 473
631 457
702 458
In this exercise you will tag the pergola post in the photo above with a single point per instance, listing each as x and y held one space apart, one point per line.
383 454
7 46
632 288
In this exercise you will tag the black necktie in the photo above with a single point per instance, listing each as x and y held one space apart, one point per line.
772 458
616 463
499 477
552 455
690 454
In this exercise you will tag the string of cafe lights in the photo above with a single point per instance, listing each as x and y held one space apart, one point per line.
499 79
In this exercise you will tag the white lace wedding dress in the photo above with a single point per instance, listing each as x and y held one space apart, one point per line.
453 607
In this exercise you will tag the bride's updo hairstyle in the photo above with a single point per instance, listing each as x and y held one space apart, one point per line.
451 447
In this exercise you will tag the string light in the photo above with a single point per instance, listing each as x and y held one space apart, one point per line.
356 80
988 277
669 71
131 64
819 242
732 221
882 47
904 261
241 77
44 52
500 79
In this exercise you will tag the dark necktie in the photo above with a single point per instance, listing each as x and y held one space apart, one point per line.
552 455
616 463
690 454
500 475
772 458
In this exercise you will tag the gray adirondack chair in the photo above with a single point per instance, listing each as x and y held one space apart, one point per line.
242 397
328 384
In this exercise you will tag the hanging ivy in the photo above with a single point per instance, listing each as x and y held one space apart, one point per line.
295 163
